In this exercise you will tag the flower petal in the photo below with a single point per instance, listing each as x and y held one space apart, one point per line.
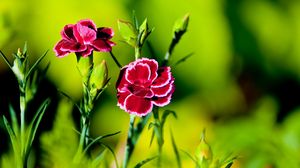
84 34
163 78
138 105
140 73
101 45
153 67
121 99
105 33
57 49
88 23
163 101
86 52
163 91
67 32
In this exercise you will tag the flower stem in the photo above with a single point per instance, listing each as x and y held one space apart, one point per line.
115 59
23 146
159 134
130 142
137 51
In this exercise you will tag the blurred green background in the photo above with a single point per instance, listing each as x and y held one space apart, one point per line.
241 84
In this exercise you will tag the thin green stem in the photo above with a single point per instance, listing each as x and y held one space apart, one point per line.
22 125
115 60
137 51
159 134
130 142
80 148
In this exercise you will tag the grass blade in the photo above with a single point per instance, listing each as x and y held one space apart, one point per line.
98 139
183 59
35 65
165 115
5 59
112 152
175 150
140 164
14 121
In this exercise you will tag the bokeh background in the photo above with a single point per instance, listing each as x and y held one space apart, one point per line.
241 84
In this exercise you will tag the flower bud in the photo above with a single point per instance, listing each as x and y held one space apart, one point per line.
181 25
203 151
19 65
98 78
144 32
84 66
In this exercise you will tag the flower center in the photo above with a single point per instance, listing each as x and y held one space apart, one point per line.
140 88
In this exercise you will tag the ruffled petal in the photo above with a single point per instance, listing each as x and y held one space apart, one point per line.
101 45
84 34
153 67
105 33
121 99
163 78
86 52
138 74
163 101
57 49
163 91
138 105
88 23
73 46
67 32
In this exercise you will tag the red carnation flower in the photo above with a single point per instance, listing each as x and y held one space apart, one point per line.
83 38
142 84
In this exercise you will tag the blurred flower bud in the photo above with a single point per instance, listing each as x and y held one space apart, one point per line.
181 25
128 32
98 78
19 65
203 151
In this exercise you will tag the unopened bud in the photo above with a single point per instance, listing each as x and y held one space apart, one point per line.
203 151
144 32
98 77
181 24
128 32
84 66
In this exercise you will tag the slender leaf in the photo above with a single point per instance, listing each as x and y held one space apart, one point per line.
175 150
229 165
165 115
12 136
112 152
34 66
70 98
140 164
135 21
14 121
5 59
32 128
183 59
192 158
98 139
97 160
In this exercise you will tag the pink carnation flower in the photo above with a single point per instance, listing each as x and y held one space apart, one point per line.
83 38
142 84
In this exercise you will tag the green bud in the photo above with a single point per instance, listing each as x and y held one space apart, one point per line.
181 24
98 78
85 66
128 32
144 32
19 65
203 152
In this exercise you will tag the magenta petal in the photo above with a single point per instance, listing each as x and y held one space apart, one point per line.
138 105
162 91
163 101
87 52
101 45
121 99
72 46
88 23
67 32
84 34
138 73
163 78
105 33
58 49
153 67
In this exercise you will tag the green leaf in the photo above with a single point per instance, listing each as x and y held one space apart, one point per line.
98 139
12 136
128 32
191 157
175 150
112 152
33 126
183 59
34 66
14 121
96 162
140 164
165 115
5 59
229 164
